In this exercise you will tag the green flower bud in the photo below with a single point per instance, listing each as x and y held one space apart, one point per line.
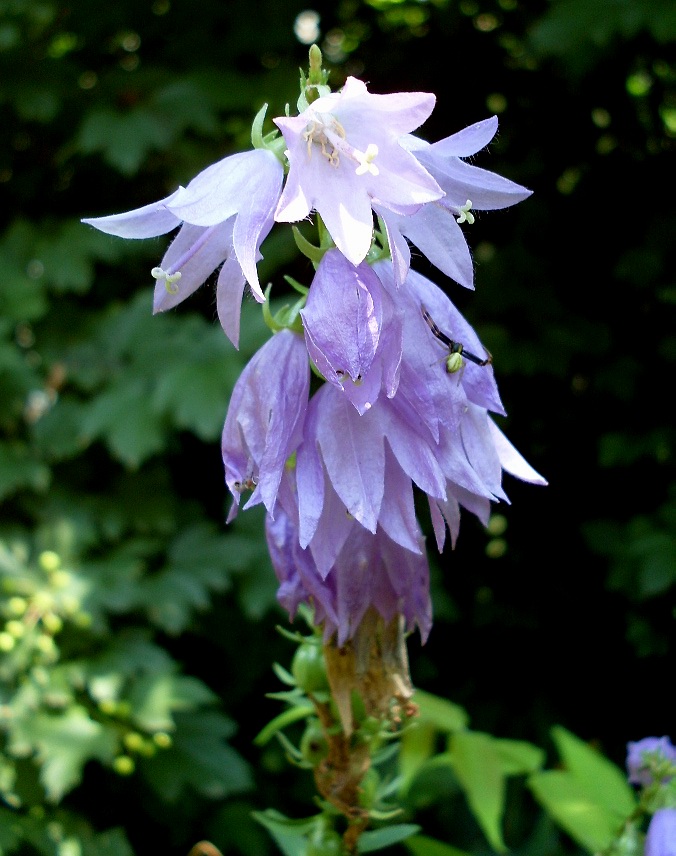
124 765
309 669
313 745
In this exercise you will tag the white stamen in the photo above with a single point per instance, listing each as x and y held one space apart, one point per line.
170 279
366 160
466 215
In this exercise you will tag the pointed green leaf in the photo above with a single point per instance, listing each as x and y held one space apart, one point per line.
290 835
416 746
285 718
602 780
423 845
377 839
477 764
439 712
518 756
568 802
64 742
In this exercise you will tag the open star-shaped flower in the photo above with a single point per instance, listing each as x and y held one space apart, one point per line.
344 154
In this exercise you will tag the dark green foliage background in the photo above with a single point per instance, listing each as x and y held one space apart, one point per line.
110 419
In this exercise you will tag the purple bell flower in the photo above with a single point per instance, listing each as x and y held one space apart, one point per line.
352 330
661 837
264 423
344 156
226 212
435 227
643 755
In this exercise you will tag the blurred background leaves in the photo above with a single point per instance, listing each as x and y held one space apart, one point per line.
138 631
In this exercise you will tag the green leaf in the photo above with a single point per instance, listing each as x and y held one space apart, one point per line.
124 139
155 699
290 835
19 469
199 759
64 743
439 712
603 781
422 845
477 764
377 839
518 756
415 747
199 561
280 721
560 793
124 418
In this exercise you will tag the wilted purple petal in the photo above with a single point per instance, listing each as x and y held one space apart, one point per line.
371 572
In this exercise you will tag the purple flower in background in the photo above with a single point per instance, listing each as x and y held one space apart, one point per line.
435 228
370 572
226 212
344 155
643 756
263 426
661 837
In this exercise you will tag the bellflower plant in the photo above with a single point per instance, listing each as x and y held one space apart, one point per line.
372 390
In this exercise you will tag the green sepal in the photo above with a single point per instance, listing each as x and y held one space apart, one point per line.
315 254
285 718
290 835
377 839
297 286
257 139
284 675
286 318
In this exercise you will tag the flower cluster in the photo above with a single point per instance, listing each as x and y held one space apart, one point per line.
407 388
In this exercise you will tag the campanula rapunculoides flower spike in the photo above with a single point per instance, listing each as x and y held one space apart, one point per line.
230 205
344 152
661 837
437 228
263 426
